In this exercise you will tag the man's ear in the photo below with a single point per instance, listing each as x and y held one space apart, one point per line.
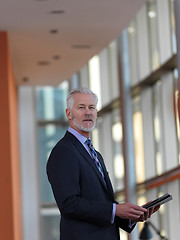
68 113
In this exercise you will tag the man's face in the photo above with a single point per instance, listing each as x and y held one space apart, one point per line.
82 117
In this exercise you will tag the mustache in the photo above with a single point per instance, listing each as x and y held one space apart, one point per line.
88 118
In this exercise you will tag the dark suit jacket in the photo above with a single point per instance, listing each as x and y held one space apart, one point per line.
84 201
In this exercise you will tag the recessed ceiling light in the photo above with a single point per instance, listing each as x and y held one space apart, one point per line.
57 11
43 63
81 46
25 79
54 31
56 57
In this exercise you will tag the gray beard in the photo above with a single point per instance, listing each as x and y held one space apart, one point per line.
80 127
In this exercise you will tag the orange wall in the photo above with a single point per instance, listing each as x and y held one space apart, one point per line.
10 210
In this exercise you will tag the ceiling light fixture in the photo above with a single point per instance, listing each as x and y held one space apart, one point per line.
25 79
54 31
81 46
57 12
43 63
56 57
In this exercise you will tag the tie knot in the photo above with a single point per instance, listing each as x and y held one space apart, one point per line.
89 144
88 141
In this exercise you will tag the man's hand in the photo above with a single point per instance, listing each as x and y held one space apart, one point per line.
130 211
148 214
134 212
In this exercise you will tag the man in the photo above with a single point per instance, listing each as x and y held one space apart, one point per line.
80 182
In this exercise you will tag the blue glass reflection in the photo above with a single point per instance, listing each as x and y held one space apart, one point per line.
48 136
51 103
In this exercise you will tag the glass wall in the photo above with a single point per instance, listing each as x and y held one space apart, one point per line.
151 48
154 115
51 127
154 101
153 28
138 140
118 159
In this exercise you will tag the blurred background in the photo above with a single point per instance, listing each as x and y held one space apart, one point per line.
127 53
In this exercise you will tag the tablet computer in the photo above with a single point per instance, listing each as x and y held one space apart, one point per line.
158 201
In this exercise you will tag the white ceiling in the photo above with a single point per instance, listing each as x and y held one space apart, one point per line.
90 24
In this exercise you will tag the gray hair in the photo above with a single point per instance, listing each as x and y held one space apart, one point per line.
82 90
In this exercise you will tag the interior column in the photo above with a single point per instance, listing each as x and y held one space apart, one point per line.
10 210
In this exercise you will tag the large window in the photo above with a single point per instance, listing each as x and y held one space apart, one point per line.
152 20
155 115
52 124
150 68
49 100
138 140
118 159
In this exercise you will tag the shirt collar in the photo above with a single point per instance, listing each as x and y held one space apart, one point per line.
79 136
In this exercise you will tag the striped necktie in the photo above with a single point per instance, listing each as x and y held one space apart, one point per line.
94 156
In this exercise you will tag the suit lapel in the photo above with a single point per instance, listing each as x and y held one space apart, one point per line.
81 149
86 155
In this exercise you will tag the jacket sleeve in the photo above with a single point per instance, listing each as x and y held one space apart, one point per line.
125 224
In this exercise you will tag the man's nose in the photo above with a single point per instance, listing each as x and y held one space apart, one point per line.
88 111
